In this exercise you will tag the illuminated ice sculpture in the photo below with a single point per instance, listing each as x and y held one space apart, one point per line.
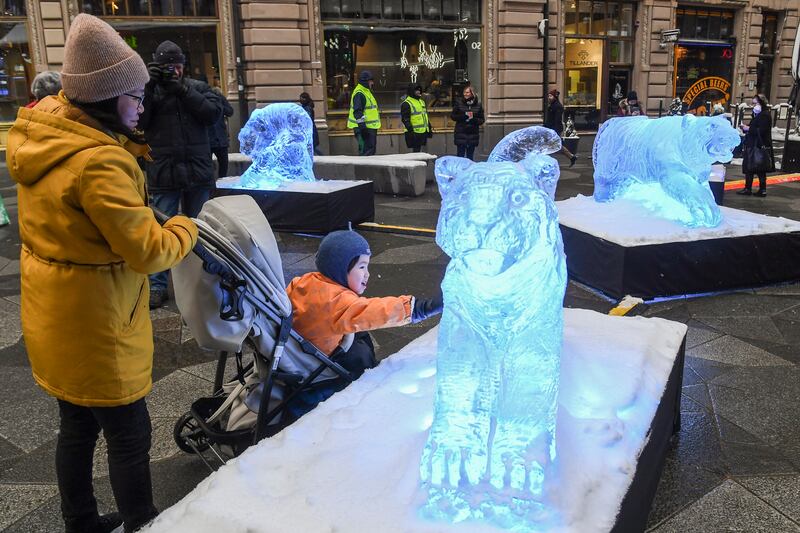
279 140
493 431
664 164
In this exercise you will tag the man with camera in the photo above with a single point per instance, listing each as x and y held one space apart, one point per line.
175 121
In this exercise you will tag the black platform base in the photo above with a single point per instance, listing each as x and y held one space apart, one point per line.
677 268
304 208
635 507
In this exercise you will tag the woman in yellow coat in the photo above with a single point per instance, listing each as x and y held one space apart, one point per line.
88 242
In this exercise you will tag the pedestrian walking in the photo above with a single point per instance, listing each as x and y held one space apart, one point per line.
468 115
178 112
308 105
88 240
364 118
555 121
45 84
218 135
414 116
758 157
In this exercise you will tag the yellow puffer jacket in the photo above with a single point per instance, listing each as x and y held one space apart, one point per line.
88 241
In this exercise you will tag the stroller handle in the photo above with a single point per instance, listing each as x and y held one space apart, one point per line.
161 216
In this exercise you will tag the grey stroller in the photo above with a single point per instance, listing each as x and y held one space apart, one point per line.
231 294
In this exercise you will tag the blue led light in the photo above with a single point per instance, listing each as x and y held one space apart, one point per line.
664 164
492 439
279 139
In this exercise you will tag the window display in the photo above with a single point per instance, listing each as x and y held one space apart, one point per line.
16 69
442 60
703 74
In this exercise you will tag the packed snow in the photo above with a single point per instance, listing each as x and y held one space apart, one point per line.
352 464
629 223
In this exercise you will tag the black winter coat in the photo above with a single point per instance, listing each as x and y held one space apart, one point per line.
218 133
760 125
555 117
176 128
309 109
467 132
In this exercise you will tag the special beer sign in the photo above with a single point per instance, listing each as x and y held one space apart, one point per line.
710 83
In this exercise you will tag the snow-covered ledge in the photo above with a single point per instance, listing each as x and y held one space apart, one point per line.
352 464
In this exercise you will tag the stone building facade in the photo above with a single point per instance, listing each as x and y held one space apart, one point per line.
597 51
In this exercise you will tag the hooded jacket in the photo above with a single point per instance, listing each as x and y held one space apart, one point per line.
88 241
324 312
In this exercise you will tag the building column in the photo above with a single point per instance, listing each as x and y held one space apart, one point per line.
653 64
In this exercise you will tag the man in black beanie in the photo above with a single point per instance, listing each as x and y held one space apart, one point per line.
175 121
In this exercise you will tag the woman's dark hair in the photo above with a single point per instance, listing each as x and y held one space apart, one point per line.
761 100
105 112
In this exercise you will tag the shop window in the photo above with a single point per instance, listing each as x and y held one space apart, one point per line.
583 70
441 60
704 24
14 8
766 56
198 42
620 52
16 69
703 74
570 17
598 18
155 8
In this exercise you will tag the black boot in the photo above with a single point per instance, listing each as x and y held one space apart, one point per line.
761 192
745 192
572 160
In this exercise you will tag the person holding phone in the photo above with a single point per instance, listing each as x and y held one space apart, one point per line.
177 114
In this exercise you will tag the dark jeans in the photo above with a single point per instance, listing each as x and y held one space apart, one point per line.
464 150
366 140
190 201
127 431
222 160
762 181
356 360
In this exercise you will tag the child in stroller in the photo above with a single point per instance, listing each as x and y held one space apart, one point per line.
327 308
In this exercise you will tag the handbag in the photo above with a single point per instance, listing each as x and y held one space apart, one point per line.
758 158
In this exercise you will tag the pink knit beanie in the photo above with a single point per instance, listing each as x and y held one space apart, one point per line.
98 63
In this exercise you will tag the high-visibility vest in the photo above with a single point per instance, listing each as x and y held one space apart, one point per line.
371 115
419 115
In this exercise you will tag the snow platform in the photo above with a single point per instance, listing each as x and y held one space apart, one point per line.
620 248
352 464
318 206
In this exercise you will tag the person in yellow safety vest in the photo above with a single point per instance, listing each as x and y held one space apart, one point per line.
364 118
414 116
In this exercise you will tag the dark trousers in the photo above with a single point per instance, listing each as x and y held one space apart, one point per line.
356 360
190 202
367 140
762 181
465 150
127 431
222 160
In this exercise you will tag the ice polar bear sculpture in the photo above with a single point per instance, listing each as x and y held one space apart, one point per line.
663 163
279 139
492 435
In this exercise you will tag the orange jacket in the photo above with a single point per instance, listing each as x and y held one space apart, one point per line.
324 311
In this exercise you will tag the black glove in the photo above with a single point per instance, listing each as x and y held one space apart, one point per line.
426 308
176 86
156 74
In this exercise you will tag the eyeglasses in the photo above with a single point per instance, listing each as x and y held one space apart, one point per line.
139 99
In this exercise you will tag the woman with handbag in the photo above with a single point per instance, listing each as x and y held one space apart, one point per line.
757 155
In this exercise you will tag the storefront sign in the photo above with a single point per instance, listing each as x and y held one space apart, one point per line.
710 83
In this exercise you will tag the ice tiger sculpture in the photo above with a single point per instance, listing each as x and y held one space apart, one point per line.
663 163
492 435
279 139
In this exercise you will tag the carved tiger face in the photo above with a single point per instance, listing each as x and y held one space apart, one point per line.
711 138
494 214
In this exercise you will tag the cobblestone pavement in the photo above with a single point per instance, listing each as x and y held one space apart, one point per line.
735 466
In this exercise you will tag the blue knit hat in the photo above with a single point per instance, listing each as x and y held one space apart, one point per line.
365 76
336 251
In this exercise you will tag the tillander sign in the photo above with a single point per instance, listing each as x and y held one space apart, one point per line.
711 83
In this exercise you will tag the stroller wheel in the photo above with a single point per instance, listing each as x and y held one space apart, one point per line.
188 430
